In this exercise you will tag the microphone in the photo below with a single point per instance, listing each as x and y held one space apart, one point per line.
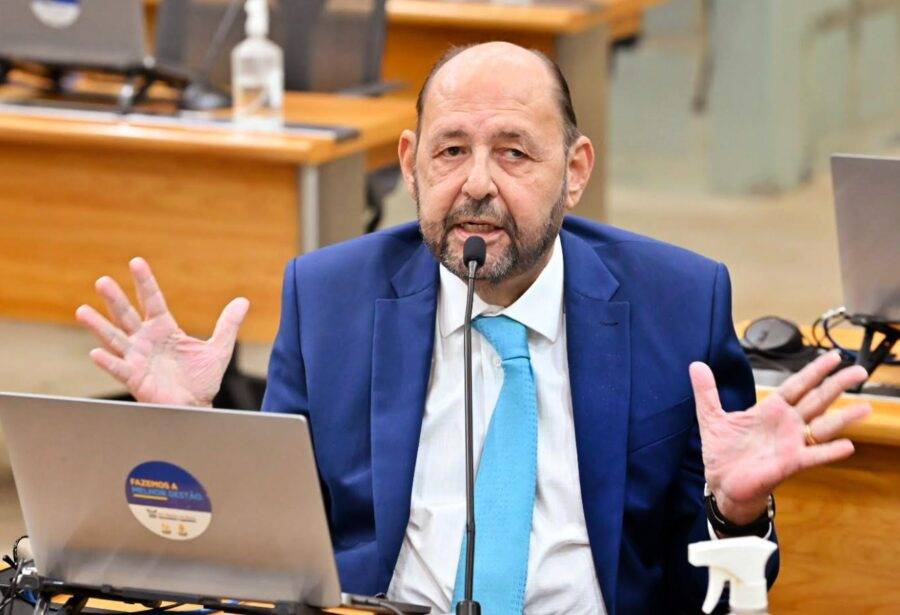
474 253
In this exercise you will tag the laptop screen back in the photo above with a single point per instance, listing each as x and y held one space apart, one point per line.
73 33
188 501
867 208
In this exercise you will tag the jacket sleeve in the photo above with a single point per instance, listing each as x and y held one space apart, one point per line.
686 584
286 383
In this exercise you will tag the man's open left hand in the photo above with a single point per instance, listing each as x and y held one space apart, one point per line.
747 454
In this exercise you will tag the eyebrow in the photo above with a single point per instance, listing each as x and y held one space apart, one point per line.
450 134
504 134
514 135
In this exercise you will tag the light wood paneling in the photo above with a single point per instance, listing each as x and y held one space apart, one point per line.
544 18
837 526
212 229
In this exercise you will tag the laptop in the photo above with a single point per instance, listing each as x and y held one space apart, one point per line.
107 34
180 501
867 207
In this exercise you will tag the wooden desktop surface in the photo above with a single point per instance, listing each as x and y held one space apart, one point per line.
837 524
379 121
216 212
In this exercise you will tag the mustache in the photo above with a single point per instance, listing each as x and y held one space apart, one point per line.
482 210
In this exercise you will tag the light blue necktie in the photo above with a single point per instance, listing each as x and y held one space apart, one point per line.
505 484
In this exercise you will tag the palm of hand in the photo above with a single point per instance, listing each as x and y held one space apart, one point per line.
152 356
746 454
749 453
171 367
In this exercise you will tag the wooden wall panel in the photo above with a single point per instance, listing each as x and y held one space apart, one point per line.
211 228
839 541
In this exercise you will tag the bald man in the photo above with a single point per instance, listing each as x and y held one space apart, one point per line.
604 363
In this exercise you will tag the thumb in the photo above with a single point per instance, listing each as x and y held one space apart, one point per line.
229 322
706 395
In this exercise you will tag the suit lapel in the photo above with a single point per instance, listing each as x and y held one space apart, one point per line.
401 365
597 332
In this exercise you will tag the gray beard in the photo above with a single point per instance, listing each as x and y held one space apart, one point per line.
522 253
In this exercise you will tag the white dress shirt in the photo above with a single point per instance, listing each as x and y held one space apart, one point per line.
561 575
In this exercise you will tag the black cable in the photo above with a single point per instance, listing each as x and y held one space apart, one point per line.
15 548
827 324
12 589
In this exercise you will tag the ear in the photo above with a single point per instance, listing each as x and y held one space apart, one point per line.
578 169
406 151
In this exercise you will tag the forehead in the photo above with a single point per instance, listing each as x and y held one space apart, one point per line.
493 94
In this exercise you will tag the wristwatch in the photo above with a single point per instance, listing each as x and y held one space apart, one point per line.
757 527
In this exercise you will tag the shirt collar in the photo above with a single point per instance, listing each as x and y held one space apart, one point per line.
539 308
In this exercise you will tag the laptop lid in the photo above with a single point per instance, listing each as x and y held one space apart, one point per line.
178 500
867 208
73 33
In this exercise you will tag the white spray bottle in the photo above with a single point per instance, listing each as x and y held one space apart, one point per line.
741 562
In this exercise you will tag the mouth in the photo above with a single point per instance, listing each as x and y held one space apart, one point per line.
486 230
478 227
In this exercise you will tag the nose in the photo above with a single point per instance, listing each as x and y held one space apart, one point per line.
479 182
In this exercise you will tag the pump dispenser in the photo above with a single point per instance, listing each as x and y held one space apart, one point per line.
257 73
741 562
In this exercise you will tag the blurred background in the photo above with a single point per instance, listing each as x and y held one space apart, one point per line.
715 120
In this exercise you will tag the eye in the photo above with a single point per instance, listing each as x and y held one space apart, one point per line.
515 154
452 152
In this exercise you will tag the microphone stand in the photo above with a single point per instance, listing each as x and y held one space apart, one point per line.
474 255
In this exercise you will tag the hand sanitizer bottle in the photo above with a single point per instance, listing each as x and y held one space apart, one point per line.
741 562
257 73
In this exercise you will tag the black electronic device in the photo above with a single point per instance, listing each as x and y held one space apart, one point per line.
776 344
772 334
474 254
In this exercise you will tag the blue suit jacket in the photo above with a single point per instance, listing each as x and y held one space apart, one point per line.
353 353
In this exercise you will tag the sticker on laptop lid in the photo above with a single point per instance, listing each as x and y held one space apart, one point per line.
56 13
167 500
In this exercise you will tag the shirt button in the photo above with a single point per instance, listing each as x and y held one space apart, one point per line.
497 362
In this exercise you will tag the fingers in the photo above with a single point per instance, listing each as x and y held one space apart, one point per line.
817 401
229 322
830 425
112 337
825 453
148 291
794 388
112 364
120 309
706 395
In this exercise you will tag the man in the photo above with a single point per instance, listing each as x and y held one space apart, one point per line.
588 418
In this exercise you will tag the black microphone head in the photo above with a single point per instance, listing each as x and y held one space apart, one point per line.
474 250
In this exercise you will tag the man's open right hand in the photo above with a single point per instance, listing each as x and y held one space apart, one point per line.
152 356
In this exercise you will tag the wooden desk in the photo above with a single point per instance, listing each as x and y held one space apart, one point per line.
217 212
837 524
